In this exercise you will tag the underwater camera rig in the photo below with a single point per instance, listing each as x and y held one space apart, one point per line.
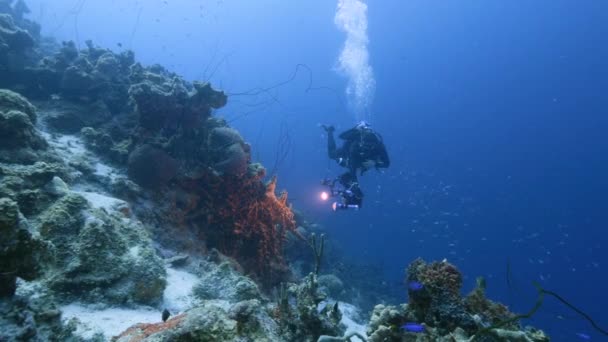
350 197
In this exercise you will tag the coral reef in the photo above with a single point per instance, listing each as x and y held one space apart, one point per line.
32 315
31 186
230 153
70 117
488 311
151 167
14 43
164 100
100 256
385 322
119 166
359 283
169 136
79 244
437 311
166 135
301 319
19 140
20 252
438 303
254 223
224 282
159 127
12 101
210 322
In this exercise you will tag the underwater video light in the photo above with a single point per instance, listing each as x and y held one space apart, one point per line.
324 196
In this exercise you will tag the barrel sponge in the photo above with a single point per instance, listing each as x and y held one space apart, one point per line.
230 154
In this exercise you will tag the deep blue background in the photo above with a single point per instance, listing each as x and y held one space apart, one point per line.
494 113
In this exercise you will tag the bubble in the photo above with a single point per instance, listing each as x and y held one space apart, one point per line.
353 62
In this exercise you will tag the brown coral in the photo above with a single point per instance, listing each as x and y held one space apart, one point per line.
441 275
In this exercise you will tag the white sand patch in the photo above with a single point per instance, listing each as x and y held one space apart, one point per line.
73 144
178 295
349 315
72 148
103 170
113 321
101 201
70 145
134 252
349 312
109 322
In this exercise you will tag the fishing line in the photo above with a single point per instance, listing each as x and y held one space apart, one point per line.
267 90
539 301
257 139
74 11
577 310
203 74
284 147
76 24
135 27
222 61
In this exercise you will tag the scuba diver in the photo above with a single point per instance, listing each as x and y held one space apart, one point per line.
362 150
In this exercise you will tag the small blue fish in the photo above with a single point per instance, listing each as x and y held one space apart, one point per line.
415 285
583 336
413 327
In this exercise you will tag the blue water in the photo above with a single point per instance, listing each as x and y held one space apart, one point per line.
495 115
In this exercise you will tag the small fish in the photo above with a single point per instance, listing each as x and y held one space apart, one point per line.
166 315
583 336
415 286
119 44
413 327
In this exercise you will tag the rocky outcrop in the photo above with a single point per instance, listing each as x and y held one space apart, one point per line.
19 140
102 257
223 282
166 101
32 315
212 321
20 252
14 43
10 100
298 313
437 311
69 117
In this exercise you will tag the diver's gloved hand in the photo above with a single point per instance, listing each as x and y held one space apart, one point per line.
328 128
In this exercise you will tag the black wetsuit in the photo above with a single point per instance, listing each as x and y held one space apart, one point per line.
361 145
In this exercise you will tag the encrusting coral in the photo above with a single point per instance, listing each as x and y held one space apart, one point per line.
438 302
19 140
437 311
19 251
